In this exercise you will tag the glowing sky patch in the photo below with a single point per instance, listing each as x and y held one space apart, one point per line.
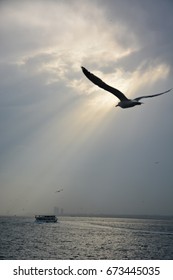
57 128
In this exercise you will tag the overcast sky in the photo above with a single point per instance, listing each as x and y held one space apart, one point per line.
58 130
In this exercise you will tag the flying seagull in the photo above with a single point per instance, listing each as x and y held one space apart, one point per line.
60 190
124 101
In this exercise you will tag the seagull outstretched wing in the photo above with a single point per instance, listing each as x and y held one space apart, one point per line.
148 96
97 81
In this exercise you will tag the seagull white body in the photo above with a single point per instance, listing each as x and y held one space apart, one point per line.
124 101
128 103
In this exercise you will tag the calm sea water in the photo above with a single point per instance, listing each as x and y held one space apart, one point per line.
86 238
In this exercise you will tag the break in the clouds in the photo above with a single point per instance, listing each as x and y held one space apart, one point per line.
59 129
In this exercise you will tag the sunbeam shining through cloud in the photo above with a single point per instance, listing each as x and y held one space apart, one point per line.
57 128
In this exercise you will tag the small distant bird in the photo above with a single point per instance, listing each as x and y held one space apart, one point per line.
124 101
60 190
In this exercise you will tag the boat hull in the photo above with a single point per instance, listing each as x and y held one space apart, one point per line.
46 218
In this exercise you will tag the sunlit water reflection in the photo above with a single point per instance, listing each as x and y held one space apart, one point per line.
86 238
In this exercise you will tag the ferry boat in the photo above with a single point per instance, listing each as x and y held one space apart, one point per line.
46 218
